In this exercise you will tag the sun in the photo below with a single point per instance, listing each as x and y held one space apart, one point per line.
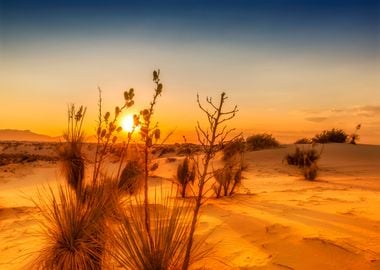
127 123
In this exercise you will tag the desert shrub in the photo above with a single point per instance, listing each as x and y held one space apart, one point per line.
233 148
331 136
310 172
131 178
306 160
302 157
354 137
71 154
261 141
227 179
303 141
132 248
72 229
185 175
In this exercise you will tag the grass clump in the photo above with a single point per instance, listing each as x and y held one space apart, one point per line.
72 229
233 148
306 160
132 247
70 153
331 136
261 141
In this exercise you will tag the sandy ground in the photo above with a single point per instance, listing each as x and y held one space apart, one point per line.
277 221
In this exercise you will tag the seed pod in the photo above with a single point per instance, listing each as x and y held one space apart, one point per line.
149 141
99 131
155 75
114 139
136 120
117 111
159 88
130 103
119 129
126 95
107 116
157 134
103 133
153 167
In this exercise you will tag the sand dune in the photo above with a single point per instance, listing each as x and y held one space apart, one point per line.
278 220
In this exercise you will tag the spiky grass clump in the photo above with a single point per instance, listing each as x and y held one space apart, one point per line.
185 175
310 172
261 141
132 248
132 177
71 154
72 229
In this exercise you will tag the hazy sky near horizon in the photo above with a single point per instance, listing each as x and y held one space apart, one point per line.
293 67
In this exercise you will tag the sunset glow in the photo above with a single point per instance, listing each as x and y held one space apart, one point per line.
127 123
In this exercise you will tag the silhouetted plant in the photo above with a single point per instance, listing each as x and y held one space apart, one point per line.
233 148
302 157
306 160
170 221
149 134
185 174
331 136
261 141
132 177
303 141
71 154
72 229
354 137
211 140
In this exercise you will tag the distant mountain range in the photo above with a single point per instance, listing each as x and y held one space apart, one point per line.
25 135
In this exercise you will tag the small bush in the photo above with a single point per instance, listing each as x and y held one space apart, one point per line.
302 157
227 179
131 178
303 141
306 160
185 175
331 136
233 148
310 172
261 141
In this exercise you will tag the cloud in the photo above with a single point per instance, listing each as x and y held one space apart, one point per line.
316 119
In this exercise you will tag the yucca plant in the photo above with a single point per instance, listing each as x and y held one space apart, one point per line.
185 175
170 227
132 177
72 229
70 153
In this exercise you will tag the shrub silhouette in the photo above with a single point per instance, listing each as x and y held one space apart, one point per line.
71 154
306 160
131 178
261 141
227 179
303 141
72 229
185 174
354 137
170 221
331 136
233 148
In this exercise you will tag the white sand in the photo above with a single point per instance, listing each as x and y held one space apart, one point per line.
277 221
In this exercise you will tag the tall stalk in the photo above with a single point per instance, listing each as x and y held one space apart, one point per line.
211 140
148 134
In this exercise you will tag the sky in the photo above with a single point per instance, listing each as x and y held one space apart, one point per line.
293 67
